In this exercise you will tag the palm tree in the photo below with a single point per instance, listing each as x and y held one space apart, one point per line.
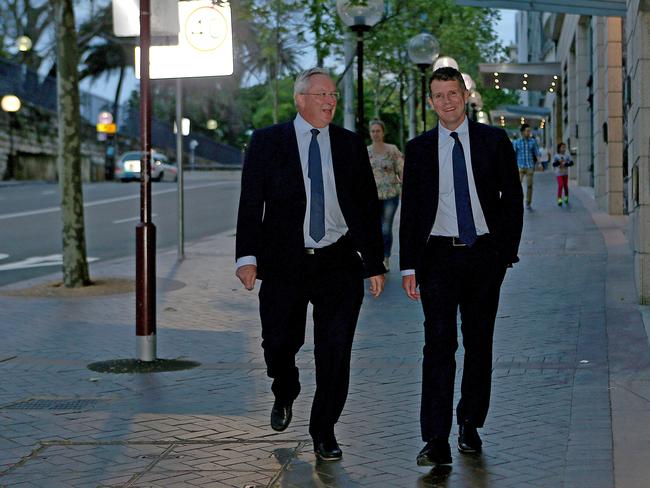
277 50
104 59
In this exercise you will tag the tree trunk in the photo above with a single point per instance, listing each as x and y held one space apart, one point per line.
75 266
402 115
376 97
276 78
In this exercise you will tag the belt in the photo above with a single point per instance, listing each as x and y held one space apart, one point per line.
454 241
327 250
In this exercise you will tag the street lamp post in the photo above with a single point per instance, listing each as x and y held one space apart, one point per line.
24 45
423 49
11 104
475 104
360 16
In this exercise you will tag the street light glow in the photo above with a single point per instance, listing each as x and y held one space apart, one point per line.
469 82
445 62
24 44
10 103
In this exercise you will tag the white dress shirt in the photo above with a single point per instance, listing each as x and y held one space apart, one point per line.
446 222
335 226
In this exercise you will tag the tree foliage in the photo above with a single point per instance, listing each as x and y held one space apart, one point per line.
31 18
273 40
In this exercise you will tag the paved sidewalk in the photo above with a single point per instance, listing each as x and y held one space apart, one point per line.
571 375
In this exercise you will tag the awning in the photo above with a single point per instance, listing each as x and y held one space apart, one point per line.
509 115
521 76
607 8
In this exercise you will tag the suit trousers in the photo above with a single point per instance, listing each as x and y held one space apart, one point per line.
332 280
453 278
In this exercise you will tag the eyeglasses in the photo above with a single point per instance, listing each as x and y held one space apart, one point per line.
324 95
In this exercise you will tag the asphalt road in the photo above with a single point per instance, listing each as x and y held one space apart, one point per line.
30 219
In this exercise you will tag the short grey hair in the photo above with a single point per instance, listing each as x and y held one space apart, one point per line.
302 81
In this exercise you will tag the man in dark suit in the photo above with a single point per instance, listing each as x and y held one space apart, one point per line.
461 223
309 228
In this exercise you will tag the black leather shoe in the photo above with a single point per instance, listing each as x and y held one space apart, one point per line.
281 415
435 453
468 439
327 450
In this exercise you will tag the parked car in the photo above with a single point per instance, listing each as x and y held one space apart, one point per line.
128 167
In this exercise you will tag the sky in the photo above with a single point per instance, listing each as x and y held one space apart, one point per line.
505 29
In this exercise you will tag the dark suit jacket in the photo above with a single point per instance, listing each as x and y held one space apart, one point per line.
273 202
494 166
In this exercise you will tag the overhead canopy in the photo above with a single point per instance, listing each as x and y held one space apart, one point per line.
509 115
521 76
607 8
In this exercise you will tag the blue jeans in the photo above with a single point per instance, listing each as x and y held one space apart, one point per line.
388 209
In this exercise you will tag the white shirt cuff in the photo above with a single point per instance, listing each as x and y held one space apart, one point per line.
244 260
408 272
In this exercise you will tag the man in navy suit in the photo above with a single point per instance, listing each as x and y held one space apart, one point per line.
309 228
461 223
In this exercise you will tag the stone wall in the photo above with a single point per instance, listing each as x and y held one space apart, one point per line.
35 146
637 31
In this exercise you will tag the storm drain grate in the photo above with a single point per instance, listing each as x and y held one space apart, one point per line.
54 404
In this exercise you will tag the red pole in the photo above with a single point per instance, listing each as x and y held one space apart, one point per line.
145 232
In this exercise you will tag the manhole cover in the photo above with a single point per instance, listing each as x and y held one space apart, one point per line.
53 404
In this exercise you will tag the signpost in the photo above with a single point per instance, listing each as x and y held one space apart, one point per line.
204 49
145 232
106 130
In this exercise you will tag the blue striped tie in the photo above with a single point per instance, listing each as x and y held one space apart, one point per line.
466 227
315 173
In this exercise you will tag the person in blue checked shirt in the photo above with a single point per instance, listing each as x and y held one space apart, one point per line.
527 152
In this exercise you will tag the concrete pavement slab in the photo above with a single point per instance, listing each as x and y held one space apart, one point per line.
550 423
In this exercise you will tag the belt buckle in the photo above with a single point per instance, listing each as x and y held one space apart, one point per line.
310 251
455 241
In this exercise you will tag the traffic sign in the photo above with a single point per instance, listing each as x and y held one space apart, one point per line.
204 44
107 128
105 118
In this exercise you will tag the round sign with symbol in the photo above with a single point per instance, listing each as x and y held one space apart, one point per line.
105 118
206 28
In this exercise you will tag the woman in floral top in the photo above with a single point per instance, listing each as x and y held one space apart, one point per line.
387 165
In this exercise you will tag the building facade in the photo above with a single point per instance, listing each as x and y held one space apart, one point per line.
602 109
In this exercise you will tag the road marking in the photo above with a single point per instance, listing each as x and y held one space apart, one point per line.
108 200
4 256
38 261
132 219
48 192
